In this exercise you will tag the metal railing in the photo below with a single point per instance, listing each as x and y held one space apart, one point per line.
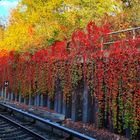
133 30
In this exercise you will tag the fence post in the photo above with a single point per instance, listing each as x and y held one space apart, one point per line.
15 99
58 97
74 114
38 100
67 106
49 103
77 102
64 106
41 100
60 101
8 96
12 96
95 111
34 100
86 107
19 98
24 101
128 132
56 101
2 93
30 100
45 100
134 34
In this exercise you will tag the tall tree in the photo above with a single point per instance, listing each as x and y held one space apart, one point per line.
38 23
132 11
128 17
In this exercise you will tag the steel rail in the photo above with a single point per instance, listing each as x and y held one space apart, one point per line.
35 135
55 125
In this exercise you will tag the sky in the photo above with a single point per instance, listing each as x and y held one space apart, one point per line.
5 8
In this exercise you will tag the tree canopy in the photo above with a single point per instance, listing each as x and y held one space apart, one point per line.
38 24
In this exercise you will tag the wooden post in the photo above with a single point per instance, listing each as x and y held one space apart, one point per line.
19 98
95 111
74 114
35 101
56 102
77 103
38 100
49 103
8 97
64 107
41 100
15 99
12 96
60 101
58 97
30 100
45 100
134 34
128 132
24 100
86 104
2 93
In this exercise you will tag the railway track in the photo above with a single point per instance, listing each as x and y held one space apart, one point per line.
8 131
16 124
13 128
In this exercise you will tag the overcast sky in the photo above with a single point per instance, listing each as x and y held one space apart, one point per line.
5 8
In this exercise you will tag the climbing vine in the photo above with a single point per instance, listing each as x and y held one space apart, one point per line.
112 75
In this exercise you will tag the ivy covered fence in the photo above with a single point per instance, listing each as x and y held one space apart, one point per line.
82 78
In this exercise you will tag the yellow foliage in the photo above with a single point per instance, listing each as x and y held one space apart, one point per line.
51 20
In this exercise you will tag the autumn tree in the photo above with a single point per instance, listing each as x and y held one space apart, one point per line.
132 11
38 23
128 17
